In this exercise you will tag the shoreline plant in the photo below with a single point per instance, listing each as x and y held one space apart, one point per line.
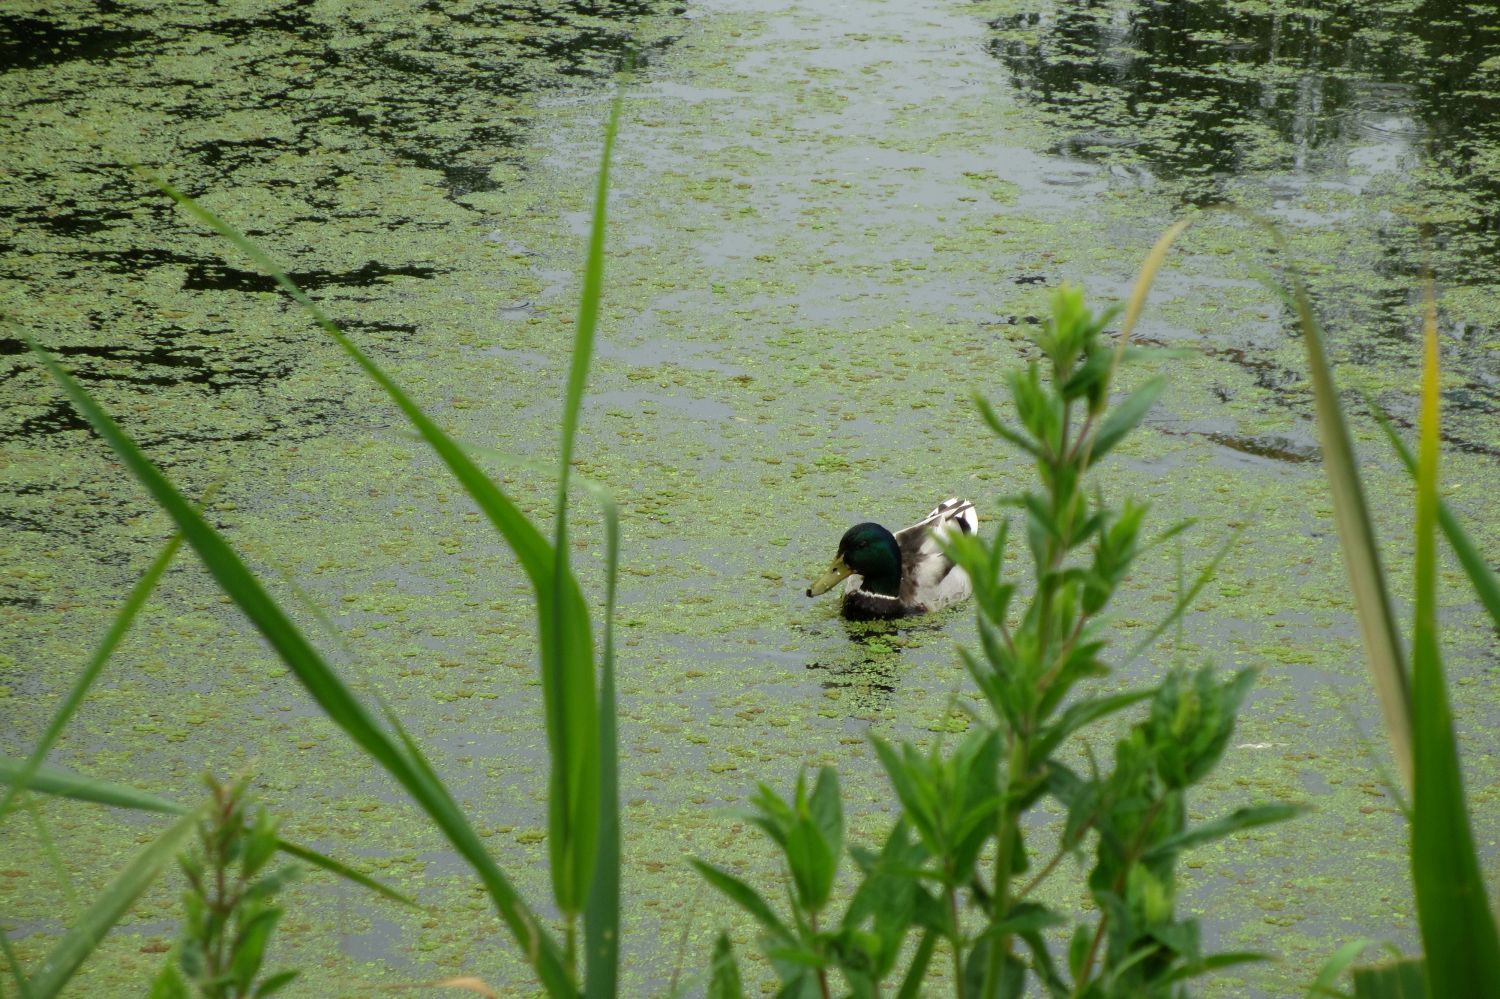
230 909
958 867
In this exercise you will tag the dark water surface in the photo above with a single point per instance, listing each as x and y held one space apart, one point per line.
1259 102
832 223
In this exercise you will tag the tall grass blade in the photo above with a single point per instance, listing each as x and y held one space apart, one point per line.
23 988
124 618
601 920
1396 980
1184 600
524 539
571 689
1335 966
602 911
51 780
54 859
84 935
1458 929
1098 445
1486 584
531 547
1144 278
1351 516
340 869
325 686
567 655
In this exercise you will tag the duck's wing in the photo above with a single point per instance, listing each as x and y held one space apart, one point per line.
930 578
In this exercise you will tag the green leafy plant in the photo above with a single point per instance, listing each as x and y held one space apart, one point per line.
1459 935
956 867
230 908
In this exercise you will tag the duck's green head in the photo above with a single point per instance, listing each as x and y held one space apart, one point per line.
869 550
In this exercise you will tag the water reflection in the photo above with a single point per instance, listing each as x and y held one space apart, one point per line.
1202 97
1199 90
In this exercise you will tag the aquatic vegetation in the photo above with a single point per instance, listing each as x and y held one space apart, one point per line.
653 505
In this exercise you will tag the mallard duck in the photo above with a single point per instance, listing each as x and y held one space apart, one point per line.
893 575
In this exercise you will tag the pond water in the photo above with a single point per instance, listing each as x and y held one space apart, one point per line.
832 222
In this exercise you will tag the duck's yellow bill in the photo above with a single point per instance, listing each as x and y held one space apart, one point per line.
837 571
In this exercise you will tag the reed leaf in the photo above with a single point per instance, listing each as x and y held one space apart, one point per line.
51 780
570 690
567 654
1458 929
1335 967
1486 584
325 686
1356 531
23 989
124 618
69 953
601 919
340 869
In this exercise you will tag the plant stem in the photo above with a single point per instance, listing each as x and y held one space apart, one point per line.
812 922
956 941
1020 750
570 945
1043 874
1119 883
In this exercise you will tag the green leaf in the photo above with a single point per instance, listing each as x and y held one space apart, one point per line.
1213 962
51 780
111 904
1335 967
568 686
272 883
1484 580
601 917
344 871
1398 980
275 983
169 983
1082 713
250 946
325 685
812 865
827 810
917 800
1027 917
888 898
22 778
1124 417
745 897
992 419
724 972
1356 532
1236 821
260 844
916 972
23 988
1458 927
